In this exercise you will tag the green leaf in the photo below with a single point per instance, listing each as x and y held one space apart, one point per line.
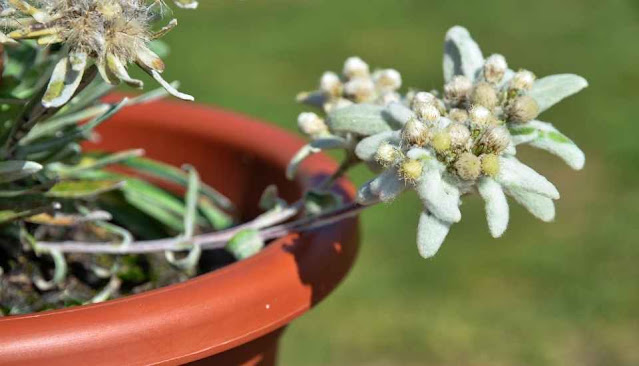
245 244
83 188
361 119
13 170
170 173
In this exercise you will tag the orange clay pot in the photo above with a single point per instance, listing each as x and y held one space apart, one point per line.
231 316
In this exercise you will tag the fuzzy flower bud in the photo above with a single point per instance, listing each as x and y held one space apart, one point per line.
480 116
361 90
468 166
458 115
331 84
459 135
523 109
311 124
411 170
494 140
388 79
485 95
355 67
429 113
441 141
494 68
422 99
415 132
387 154
457 90
522 80
490 164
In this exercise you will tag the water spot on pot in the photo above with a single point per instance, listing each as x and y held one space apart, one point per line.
268 306
337 247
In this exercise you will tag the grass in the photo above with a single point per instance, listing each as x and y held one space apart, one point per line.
545 294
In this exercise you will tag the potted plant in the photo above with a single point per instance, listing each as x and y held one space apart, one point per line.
133 209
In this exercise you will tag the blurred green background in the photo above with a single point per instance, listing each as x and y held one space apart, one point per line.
565 293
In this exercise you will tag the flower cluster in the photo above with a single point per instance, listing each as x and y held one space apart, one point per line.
355 86
463 141
110 33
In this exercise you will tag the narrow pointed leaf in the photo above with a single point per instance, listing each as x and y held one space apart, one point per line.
13 170
399 113
83 188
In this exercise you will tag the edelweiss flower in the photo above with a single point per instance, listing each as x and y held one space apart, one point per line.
357 86
450 147
111 33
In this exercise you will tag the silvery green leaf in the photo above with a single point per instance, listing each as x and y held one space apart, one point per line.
550 90
13 170
245 243
361 119
496 206
365 196
367 148
513 173
553 141
540 206
431 233
439 197
462 56
65 80
510 149
399 113
314 147
388 185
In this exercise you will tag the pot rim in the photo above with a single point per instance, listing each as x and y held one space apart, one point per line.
213 312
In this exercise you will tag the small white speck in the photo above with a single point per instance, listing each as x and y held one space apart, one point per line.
268 306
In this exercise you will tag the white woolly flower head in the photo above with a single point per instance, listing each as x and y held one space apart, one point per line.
495 67
355 67
311 124
388 80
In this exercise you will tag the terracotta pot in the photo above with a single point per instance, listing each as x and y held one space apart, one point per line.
231 316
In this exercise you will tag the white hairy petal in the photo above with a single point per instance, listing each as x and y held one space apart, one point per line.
431 233
496 206
387 186
549 90
365 196
553 141
462 56
439 197
512 173
399 112
540 206
367 148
